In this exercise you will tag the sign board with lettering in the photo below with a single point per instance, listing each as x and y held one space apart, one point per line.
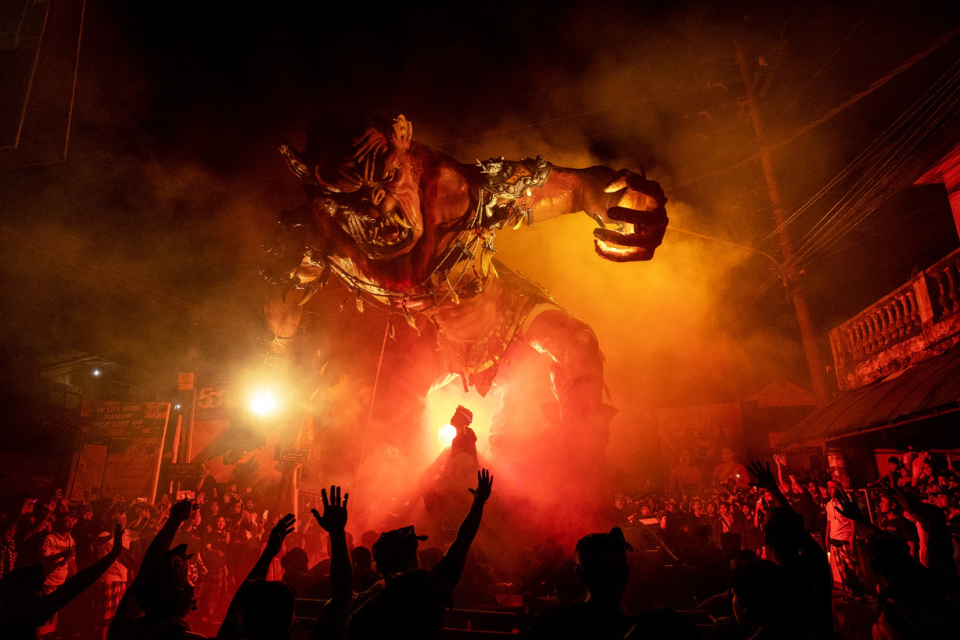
189 471
133 435
185 381
296 455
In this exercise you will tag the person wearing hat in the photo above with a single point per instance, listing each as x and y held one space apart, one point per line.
841 538
462 463
411 602
465 442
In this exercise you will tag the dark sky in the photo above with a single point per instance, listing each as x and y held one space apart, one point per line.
173 177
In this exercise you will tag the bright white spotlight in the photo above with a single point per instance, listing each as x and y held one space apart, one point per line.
263 403
447 433
96 372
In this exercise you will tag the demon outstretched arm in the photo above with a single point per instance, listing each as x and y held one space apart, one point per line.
608 196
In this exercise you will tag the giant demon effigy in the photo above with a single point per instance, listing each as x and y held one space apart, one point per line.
409 229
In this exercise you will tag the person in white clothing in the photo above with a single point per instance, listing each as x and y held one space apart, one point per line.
841 535
56 555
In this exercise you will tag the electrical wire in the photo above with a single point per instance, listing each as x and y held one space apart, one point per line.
817 73
858 164
941 41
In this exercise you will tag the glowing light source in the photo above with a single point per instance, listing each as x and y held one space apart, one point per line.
263 403
447 433
96 372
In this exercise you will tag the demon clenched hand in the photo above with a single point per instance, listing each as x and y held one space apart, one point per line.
409 229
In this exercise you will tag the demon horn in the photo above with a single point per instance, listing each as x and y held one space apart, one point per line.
296 163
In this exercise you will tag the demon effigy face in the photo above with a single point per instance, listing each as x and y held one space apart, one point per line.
367 188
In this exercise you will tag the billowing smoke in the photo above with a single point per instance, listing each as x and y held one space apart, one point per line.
174 182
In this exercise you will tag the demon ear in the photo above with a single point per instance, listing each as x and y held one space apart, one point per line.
296 163
402 133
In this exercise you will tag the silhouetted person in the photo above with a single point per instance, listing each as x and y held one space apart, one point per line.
268 612
296 573
263 610
804 563
160 596
364 576
602 568
762 595
910 602
465 442
411 603
23 605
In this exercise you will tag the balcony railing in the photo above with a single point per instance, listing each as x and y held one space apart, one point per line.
914 322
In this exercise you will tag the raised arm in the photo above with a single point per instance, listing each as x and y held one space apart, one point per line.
607 196
82 580
127 610
457 553
39 523
164 538
767 482
231 621
781 461
851 510
910 506
332 621
334 522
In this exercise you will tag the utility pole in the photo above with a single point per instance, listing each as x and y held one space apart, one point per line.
792 274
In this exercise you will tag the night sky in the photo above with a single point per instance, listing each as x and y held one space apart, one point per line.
173 179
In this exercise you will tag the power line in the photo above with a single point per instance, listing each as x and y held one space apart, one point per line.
816 74
940 42
908 147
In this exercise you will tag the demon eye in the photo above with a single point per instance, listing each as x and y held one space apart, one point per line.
390 176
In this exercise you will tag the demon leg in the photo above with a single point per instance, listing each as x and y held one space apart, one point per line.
577 375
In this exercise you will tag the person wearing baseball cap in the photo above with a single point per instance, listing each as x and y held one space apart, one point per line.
412 600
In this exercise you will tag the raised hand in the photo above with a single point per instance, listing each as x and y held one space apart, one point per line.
764 476
282 529
780 459
334 516
640 207
117 540
181 511
484 485
848 508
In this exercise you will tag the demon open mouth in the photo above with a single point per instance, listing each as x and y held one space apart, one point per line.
378 237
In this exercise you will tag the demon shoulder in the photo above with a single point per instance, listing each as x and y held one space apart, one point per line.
512 179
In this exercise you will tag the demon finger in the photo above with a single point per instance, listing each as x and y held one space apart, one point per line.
645 238
655 219
617 254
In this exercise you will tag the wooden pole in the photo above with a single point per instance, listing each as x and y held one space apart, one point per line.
792 275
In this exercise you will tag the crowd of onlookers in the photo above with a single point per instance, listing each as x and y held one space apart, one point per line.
749 553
